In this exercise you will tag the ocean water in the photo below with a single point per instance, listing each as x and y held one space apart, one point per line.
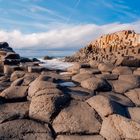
57 63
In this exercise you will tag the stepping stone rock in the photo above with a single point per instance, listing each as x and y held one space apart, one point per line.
96 84
44 107
118 98
126 82
122 70
134 113
38 85
78 117
49 91
82 137
9 111
15 92
81 77
24 129
103 105
134 95
105 67
16 74
116 127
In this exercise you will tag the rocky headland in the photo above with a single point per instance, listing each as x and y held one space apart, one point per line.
98 98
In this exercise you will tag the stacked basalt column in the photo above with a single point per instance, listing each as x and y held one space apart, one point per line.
9 60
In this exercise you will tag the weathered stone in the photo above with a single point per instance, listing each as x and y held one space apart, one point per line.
81 77
47 91
16 74
116 127
9 111
134 113
119 98
108 67
70 120
122 70
79 93
24 129
44 107
103 105
15 92
96 84
38 85
134 95
79 137
126 82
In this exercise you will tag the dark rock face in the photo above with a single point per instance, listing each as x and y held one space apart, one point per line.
24 129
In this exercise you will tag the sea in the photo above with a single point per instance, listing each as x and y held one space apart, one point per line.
57 63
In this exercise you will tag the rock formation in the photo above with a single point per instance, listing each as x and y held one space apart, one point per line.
102 103
117 48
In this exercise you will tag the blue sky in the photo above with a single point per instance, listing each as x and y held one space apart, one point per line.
64 24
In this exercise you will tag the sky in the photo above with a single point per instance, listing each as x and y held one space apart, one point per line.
60 27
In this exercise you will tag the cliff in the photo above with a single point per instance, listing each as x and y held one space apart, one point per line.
110 47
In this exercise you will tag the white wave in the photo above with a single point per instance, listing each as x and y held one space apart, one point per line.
56 63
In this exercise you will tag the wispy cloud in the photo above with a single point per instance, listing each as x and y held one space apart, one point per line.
68 37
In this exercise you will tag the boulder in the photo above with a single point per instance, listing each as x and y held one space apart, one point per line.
47 57
125 83
96 84
122 70
134 95
134 113
78 117
79 137
38 85
79 93
10 111
16 74
81 77
11 55
116 127
25 129
118 98
103 105
47 91
44 107
15 92
105 67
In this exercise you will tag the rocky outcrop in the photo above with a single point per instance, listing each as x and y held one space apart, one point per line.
120 48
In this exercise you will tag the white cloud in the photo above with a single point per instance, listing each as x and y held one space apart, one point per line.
64 36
